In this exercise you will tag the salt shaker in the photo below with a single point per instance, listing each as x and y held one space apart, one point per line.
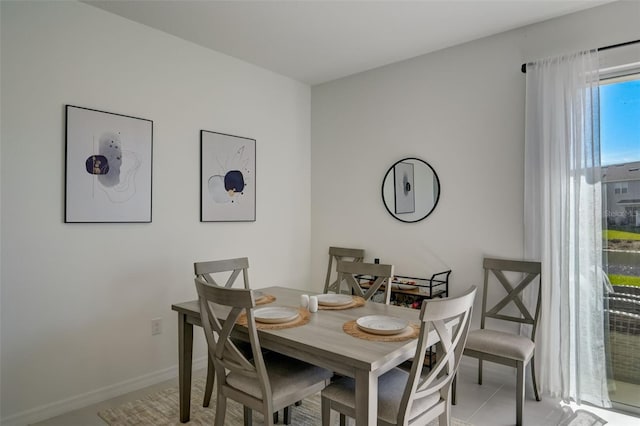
304 300
313 304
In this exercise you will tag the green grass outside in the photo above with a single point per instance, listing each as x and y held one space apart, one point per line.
624 280
611 234
621 236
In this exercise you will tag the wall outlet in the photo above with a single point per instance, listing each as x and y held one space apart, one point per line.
156 326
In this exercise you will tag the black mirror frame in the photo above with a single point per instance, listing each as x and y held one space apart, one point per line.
435 203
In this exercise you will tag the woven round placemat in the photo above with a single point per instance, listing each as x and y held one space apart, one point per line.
355 303
264 299
352 329
303 317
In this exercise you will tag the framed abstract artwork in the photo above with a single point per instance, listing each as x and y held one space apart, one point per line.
227 178
108 167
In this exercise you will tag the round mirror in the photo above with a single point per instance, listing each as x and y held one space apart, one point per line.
410 190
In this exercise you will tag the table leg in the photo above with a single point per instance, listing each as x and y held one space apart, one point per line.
185 357
366 399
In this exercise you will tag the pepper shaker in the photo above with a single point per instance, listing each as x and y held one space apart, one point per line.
313 304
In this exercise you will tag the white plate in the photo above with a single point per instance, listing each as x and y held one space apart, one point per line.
403 286
406 286
382 324
334 299
275 314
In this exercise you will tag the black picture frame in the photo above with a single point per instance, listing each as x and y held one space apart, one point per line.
108 167
227 177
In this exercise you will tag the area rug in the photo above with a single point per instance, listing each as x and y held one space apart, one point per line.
161 409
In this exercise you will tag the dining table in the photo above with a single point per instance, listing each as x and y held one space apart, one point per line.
322 341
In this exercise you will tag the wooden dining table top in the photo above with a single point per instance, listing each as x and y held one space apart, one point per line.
324 336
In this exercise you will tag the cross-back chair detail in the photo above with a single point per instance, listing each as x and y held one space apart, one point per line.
381 275
415 398
205 270
248 380
235 266
501 347
223 348
337 254
514 293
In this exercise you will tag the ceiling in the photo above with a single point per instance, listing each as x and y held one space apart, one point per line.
319 41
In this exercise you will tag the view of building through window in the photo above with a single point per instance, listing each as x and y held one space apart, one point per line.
620 159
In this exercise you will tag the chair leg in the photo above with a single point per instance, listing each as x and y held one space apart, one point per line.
445 418
325 409
270 420
479 371
298 403
221 410
275 417
286 414
453 389
211 376
248 421
533 376
343 420
519 393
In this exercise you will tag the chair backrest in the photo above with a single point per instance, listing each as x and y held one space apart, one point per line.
377 275
340 254
205 270
435 315
514 291
228 304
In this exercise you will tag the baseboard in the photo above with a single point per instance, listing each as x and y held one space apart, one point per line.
57 408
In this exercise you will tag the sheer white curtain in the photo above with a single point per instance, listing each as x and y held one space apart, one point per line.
563 224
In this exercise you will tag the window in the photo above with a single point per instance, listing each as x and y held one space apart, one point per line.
621 188
620 158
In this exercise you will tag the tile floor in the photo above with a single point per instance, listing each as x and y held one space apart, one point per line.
492 404
626 393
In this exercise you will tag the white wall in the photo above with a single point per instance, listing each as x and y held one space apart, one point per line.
76 327
461 110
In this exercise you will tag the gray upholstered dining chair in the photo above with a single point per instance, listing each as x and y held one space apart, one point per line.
337 254
502 347
267 382
414 397
381 275
228 270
